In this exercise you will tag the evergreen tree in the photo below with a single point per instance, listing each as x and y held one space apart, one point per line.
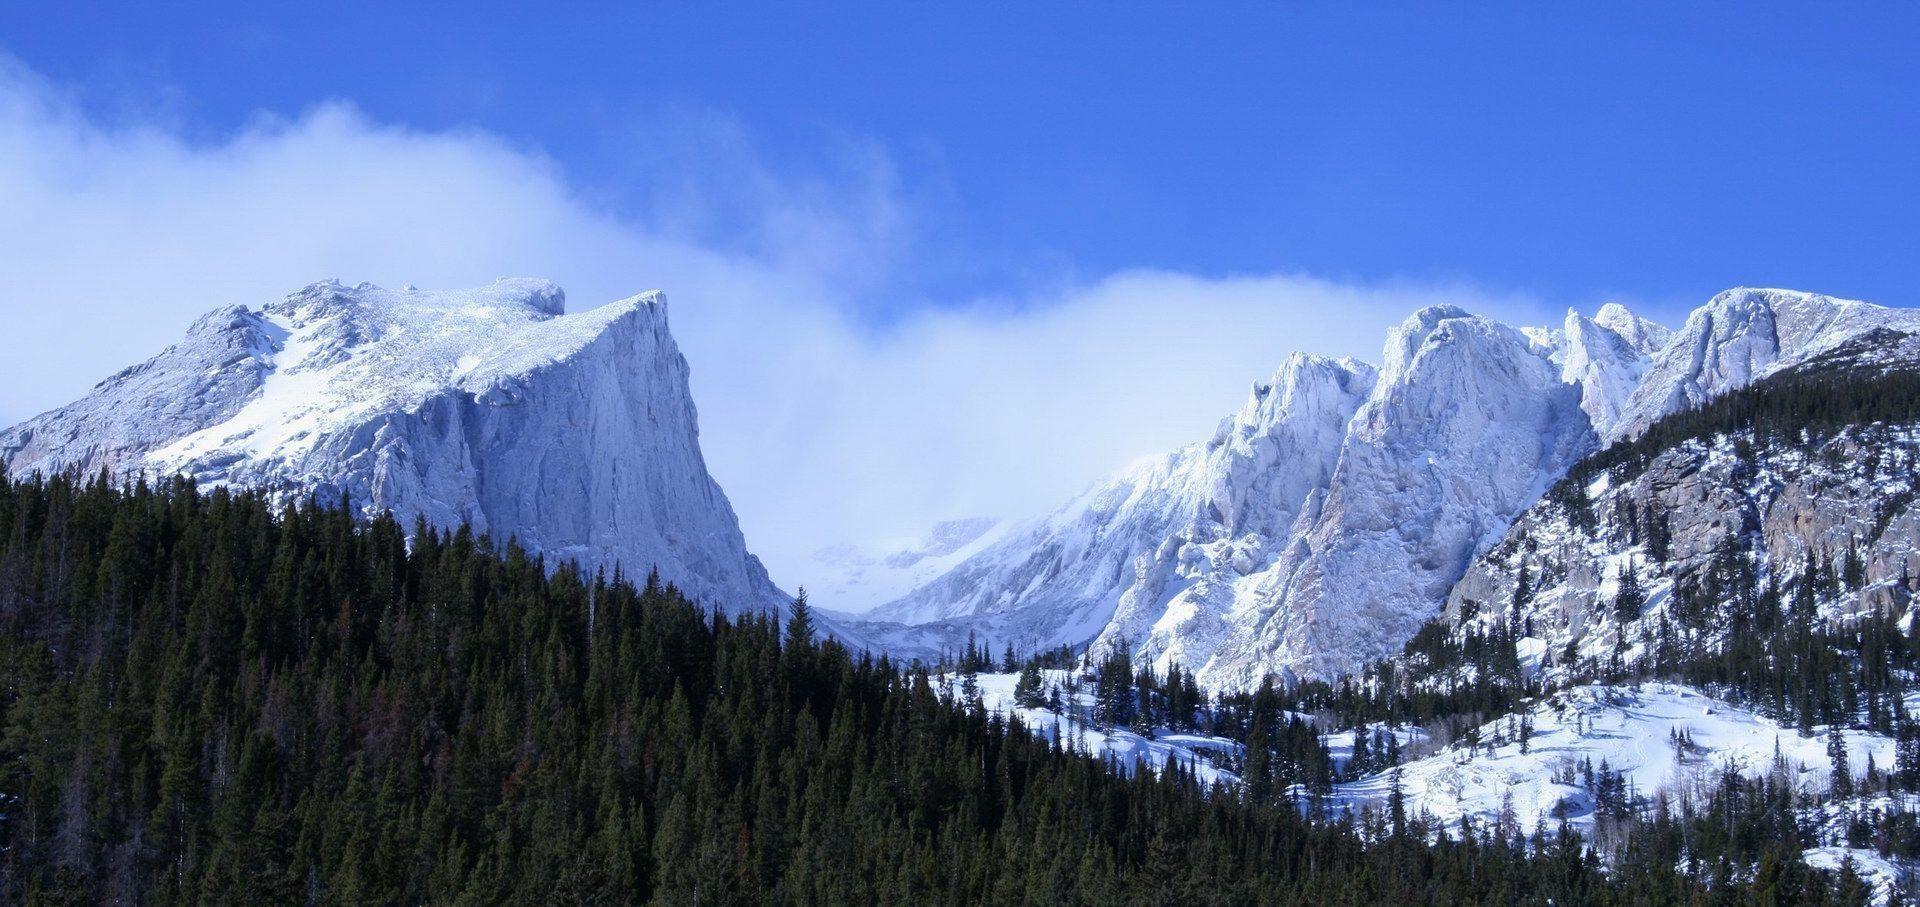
1628 601
1837 754
1027 690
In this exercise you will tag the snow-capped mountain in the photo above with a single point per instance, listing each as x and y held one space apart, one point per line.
1197 521
1743 335
854 578
1332 516
1606 355
1466 427
1317 528
575 434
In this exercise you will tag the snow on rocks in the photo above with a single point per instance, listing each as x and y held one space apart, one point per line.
575 434
1467 427
1743 335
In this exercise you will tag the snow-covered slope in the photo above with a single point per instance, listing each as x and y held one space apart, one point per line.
1190 525
1664 739
1741 336
1317 528
575 434
856 578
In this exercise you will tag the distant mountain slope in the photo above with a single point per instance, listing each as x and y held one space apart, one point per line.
1331 517
1194 521
1741 336
575 434
855 578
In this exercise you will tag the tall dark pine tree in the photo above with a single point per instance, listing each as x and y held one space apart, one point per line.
1027 690
1837 754
1628 601
799 622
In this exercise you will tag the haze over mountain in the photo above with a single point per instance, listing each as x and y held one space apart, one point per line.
1330 518
1314 533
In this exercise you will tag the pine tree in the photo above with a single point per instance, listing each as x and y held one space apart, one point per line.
1837 754
1522 592
1361 761
1396 804
1027 690
1628 601
799 622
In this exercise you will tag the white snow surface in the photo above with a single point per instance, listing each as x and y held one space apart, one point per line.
1315 531
1741 336
1630 729
1883 876
1072 728
575 434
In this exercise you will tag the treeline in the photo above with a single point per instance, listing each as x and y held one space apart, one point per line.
209 700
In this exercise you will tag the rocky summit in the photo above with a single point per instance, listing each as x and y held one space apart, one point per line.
574 434
1327 521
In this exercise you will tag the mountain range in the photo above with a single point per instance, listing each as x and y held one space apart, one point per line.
1337 511
1341 508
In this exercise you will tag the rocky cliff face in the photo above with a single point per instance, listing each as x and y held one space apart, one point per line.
1194 522
1467 426
1331 549
575 434
1681 520
1320 526
1743 335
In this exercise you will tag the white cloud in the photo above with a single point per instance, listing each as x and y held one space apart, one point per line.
821 427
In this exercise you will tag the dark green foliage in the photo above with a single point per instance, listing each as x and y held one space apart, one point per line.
205 700
1628 601
1027 691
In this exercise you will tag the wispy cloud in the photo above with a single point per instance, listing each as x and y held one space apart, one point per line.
822 424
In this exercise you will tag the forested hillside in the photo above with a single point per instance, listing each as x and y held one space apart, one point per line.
207 700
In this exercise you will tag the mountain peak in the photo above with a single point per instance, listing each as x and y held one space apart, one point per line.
1744 334
1405 339
575 433
517 295
1644 334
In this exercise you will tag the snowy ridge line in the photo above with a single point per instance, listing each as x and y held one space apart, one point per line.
575 434
1331 517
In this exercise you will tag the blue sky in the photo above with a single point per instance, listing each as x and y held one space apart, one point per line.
1635 150
928 265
